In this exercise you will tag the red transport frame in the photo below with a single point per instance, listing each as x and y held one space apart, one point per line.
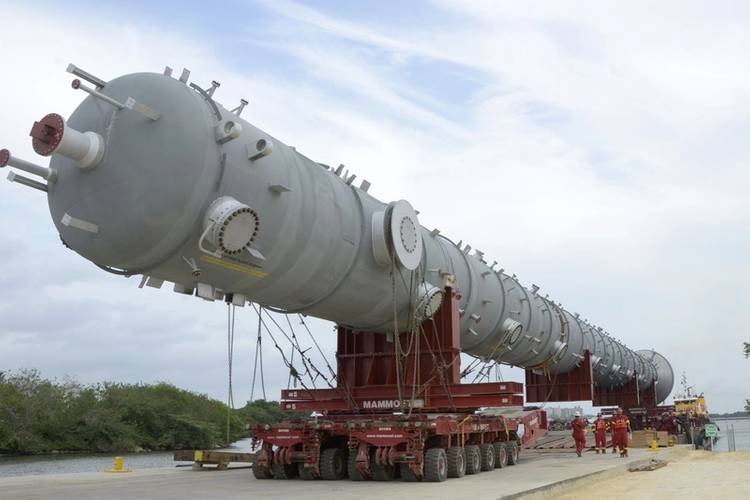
428 428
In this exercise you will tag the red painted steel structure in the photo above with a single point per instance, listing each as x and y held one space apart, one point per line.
430 374
384 418
378 441
627 396
576 385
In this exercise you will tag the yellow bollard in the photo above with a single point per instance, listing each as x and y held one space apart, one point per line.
654 445
118 466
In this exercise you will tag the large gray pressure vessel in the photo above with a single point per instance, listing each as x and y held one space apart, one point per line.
154 177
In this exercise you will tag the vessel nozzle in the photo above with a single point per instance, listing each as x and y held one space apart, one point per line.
49 174
53 136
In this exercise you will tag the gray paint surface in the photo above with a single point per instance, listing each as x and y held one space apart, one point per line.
150 193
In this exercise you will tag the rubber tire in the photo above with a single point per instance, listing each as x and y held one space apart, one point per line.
304 472
284 471
351 467
435 465
473 462
487 455
513 453
406 473
261 473
332 464
501 455
456 461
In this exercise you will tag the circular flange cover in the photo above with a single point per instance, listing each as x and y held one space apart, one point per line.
429 299
235 225
238 230
406 234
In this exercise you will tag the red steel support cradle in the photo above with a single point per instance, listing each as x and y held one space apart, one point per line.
431 372
638 403
576 385
627 396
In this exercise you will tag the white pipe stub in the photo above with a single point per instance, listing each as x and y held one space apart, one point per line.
7 159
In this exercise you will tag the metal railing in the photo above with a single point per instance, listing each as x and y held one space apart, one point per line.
731 444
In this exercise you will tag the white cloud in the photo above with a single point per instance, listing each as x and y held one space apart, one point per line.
598 151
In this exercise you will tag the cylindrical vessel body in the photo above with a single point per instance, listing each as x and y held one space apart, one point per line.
313 248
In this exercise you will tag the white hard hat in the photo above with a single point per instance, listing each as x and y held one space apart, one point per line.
578 414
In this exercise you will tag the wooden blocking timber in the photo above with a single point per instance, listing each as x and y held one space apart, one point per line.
646 465
221 459
642 439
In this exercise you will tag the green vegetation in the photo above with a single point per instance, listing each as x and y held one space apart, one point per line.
262 412
38 415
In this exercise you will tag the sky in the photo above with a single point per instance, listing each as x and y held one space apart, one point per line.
598 149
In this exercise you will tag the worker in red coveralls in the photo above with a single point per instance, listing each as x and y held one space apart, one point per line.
579 432
600 434
672 424
620 430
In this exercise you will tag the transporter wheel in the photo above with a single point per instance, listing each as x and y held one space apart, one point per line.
304 472
261 473
473 462
513 453
332 464
351 467
487 456
501 454
435 465
284 471
407 474
456 461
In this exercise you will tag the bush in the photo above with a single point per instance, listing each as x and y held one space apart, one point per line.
38 415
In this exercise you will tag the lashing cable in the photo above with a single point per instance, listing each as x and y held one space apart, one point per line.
317 346
258 356
230 358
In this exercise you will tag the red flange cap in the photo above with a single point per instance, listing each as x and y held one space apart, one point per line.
4 157
47 134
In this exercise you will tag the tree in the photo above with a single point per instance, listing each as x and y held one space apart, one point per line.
38 415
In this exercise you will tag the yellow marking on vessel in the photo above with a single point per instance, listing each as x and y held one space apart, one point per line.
198 455
234 266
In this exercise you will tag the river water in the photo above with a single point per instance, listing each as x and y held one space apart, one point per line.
57 464
741 433
60 464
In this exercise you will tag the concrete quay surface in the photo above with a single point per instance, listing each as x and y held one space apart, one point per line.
537 475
